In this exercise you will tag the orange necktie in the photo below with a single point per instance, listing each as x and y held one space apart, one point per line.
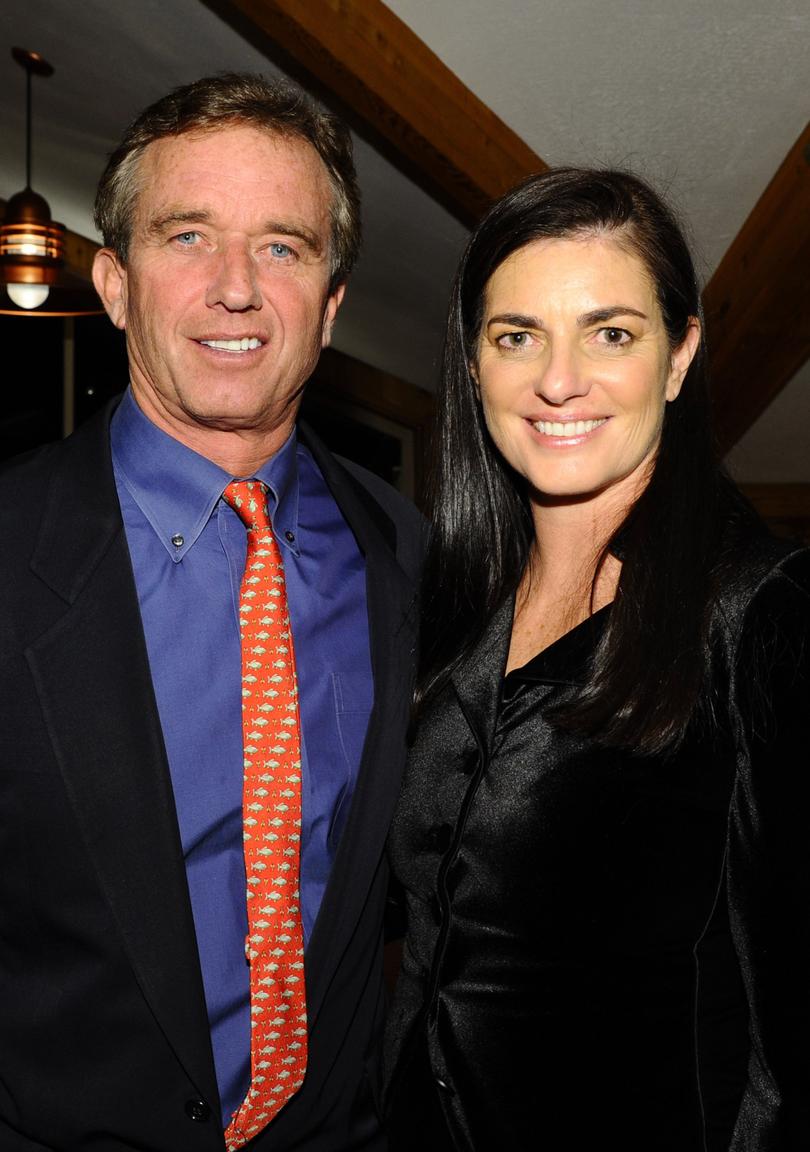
271 810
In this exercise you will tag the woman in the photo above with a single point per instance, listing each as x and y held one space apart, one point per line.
602 835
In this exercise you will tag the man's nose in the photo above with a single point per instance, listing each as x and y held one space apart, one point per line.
234 283
563 375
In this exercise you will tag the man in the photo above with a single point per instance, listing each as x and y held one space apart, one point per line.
129 994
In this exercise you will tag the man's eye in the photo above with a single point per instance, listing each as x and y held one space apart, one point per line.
280 251
187 238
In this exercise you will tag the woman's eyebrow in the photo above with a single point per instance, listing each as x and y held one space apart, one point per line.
600 315
517 319
595 316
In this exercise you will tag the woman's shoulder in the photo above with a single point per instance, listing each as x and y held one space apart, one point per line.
764 612
763 567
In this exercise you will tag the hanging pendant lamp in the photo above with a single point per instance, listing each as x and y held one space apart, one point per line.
33 279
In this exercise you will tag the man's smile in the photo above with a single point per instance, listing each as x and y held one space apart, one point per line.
243 344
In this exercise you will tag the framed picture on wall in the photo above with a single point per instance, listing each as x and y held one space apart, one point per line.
372 418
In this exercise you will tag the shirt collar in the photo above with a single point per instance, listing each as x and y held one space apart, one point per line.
177 489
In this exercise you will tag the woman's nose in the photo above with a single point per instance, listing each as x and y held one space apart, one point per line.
563 374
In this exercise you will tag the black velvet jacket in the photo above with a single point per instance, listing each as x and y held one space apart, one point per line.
604 947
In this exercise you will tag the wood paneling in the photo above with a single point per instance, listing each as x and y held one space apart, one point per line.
785 507
342 383
79 253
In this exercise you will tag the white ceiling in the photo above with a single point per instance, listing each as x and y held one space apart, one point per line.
705 97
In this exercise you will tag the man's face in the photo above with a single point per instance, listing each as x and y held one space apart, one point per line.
225 296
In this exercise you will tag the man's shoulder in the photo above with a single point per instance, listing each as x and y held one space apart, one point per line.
23 478
402 511
409 535
397 518
72 470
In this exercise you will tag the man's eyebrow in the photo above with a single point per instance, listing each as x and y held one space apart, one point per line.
177 217
296 232
159 224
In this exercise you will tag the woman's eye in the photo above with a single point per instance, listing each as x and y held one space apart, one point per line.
515 340
615 337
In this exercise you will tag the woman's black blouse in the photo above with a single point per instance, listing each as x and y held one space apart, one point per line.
606 947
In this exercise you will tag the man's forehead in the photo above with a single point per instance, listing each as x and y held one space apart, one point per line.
288 146
235 152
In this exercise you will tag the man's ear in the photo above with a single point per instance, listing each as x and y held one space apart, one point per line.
110 279
330 312
682 357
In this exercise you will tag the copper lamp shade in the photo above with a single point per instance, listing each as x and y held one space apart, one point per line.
33 279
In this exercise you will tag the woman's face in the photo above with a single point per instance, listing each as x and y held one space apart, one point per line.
574 367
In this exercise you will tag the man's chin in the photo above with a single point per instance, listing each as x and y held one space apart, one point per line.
238 417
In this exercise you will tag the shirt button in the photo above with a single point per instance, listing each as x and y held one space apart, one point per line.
289 537
444 1086
178 540
198 1111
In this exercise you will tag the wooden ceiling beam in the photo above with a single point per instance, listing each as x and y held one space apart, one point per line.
395 91
757 304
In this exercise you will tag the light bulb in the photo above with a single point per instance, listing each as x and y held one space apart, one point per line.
28 295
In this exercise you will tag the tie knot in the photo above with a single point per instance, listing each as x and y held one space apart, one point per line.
248 498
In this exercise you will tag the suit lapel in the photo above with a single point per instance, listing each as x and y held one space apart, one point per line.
390 601
92 675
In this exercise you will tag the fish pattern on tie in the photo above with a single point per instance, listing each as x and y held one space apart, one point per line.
271 824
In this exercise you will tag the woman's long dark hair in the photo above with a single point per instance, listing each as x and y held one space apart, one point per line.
674 543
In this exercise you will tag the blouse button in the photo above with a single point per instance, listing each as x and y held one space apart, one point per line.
440 837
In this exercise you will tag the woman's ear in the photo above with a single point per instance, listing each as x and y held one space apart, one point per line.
682 357
474 374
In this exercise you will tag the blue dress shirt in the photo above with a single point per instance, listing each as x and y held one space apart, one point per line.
188 552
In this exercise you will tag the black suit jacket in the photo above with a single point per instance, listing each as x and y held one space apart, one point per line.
104 1040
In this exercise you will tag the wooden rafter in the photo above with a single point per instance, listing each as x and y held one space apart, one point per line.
395 90
758 301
